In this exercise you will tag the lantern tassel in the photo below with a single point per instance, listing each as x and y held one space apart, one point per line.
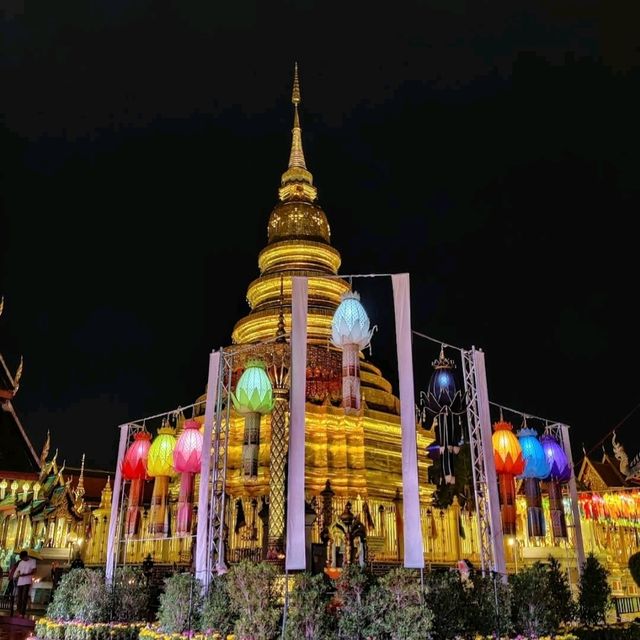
556 509
185 505
507 503
535 515
157 518
133 510
251 446
350 378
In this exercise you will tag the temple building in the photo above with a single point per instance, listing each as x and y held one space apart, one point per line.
353 445
44 507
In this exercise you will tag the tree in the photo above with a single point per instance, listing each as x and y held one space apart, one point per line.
180 604
634 567
308 617
595 592
530 602
562 607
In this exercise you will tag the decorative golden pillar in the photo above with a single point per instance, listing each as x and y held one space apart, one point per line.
397 501
277 468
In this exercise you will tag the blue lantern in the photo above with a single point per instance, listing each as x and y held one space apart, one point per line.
536 468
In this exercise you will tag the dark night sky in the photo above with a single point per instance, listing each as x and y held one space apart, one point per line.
489 149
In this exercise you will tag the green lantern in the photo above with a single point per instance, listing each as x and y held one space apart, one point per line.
253 398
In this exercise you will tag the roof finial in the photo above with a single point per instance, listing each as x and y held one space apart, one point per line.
296 159
295 95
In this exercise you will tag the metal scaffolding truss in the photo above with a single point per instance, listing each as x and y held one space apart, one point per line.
482 464
218 468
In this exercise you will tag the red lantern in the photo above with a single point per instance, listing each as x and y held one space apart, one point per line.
134 468
187 457
507 454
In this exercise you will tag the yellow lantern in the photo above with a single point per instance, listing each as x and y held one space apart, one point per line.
160 467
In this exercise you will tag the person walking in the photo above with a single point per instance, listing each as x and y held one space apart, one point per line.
24 574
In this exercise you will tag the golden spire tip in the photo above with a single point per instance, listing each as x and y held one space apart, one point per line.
295 95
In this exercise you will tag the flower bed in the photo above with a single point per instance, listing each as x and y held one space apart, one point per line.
48 629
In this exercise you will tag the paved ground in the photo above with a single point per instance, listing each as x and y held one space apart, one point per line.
11 632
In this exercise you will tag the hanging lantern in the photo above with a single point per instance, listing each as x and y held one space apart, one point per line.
160 467
444 400
559 472
134 468
507 454
187 457
536 468
253 398
350 332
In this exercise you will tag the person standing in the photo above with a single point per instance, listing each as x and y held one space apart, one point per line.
24 574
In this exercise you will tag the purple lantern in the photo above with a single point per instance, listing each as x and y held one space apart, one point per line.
560 471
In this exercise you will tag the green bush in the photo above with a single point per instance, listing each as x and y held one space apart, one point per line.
595 592
530 603
251 590
307 615
487 608
397 610
92 602
446 597
634 567
216 610
180 604
352 611
62 606
129 595
562 608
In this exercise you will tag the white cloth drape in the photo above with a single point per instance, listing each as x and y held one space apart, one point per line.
203 571
413 554
295 550
113 538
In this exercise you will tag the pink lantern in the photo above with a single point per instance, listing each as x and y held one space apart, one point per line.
134 468
187 457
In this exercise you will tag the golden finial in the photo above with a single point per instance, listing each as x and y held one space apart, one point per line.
1 305
16 378
296 159
295 95
45 450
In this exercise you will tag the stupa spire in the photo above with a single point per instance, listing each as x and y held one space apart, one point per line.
297 181
296 158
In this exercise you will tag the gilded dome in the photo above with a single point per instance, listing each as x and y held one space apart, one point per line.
296 219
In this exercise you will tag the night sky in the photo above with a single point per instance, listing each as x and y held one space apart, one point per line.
488 149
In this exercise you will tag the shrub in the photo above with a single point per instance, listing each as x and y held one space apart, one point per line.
351 588
62 606
530 602
251 590
180 604
130 595
634 567
595 592
562 607
396 607
487 608
91 600
216 610
446 598
307 616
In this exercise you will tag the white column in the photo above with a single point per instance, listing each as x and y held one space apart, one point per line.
113 539
573 494
413 554
295 548
205 470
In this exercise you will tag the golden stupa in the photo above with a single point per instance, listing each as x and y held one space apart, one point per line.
359 455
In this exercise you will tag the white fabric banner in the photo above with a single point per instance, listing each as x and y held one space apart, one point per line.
203 571
413 554
113 539
295 551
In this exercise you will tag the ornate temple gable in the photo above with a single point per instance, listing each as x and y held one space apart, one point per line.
599 476
16 451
